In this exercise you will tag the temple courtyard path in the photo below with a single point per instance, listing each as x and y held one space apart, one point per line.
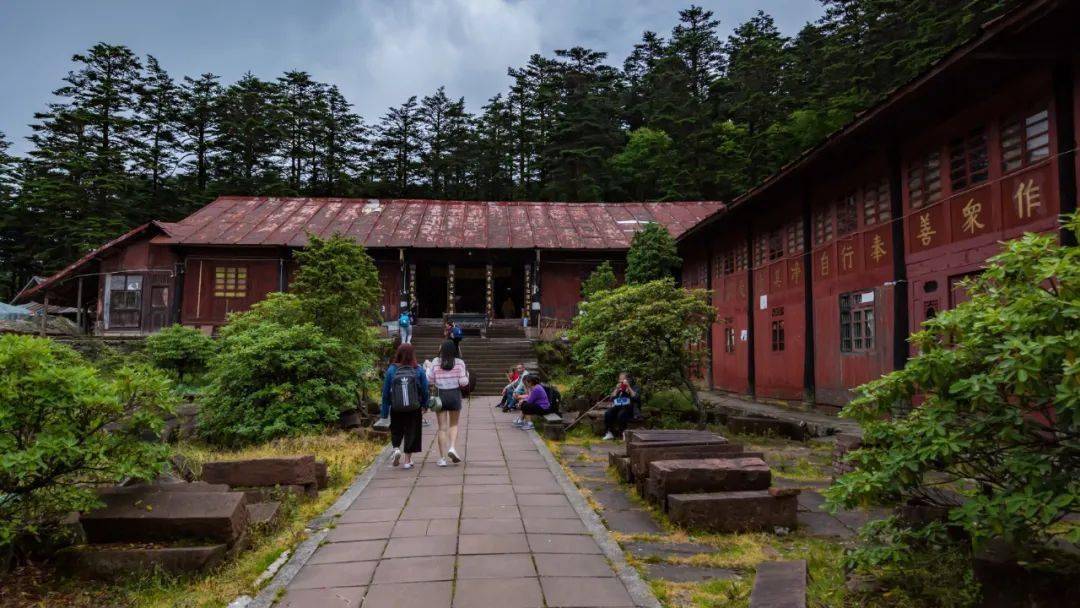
504 528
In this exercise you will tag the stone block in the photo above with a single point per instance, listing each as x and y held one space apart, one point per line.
727 512
263 513
638 437
322 475
262 472
644 455
350 419
157 515
760 425
844 444
112 561
780 585
142 488
278 492
706 475
621 464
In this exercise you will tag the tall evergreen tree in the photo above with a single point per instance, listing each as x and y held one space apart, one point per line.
434 115
250 131
198 100
398 147
157 118
299 101
343 143
494 151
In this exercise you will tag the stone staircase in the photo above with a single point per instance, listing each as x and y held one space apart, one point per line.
487 358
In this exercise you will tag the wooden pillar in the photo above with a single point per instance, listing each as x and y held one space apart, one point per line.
489 292
450 289
412 286
79 305
1065 119
527 305
44 314
750 306
808 297
403 282
901 312
534 312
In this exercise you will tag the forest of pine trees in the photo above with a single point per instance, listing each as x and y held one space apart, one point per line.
689 115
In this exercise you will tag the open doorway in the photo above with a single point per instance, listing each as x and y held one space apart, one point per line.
430 290
508 285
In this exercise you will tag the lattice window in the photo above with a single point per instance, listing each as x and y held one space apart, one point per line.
823 225
776 244
795 237
729 338
230 282
856 322
778 335
740 258
1025 140
847 215
761 249
969 160
924 181
876 204
125 300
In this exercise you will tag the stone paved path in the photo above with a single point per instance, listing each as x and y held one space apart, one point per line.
494 531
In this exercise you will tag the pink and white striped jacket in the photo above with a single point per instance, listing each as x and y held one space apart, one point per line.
445 379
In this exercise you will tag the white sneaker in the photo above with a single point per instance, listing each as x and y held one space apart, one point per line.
528 426
407 466
518 422
442 462
396 460
609 437
452 453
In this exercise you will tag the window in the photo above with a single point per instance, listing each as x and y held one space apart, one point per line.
876 203
125 300
924 181
230 282
847 215
857 322
795 237
761 244
1025 140
729 262
969 161
740 258
778 335
776 244
729 338
823 226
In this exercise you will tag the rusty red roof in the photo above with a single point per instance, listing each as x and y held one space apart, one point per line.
249 220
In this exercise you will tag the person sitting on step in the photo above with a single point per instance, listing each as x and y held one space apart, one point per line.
535 403
624 400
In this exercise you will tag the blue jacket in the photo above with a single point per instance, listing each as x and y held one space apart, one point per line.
388 381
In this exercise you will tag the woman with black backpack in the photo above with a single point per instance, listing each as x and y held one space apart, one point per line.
405 388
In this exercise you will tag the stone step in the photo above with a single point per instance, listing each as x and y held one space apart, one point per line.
645 455
668 477
262 472
113 561
729 512
779 585
159 515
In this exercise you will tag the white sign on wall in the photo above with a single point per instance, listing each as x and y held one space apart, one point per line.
763 302
743 335
866 297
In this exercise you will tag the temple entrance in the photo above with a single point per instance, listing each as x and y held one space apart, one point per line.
437 281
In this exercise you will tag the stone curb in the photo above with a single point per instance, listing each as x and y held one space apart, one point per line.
639 590
303 552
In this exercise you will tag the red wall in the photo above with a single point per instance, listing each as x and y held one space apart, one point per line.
730 370
779 292
201 307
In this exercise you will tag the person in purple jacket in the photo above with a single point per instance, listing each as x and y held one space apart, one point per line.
534 402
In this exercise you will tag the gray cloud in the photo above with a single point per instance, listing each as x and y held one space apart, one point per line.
378 51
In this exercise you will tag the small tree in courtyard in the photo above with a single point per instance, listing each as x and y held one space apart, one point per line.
64 427
997 418
648 330
182 350
601 278
652 255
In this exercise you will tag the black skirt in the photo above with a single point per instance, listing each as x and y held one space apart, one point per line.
451 399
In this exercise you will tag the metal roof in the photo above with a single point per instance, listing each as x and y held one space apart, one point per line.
248 220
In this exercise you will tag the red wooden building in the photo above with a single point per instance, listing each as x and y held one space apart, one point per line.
842 253
499 259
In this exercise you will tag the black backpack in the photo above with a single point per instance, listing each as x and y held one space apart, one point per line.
405 391
554 397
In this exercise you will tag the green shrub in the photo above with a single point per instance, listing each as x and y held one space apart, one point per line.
271 380
600 279
653 255
999 418
181 350
553 358
64 426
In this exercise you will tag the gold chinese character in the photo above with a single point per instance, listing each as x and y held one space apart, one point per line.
824 263
778 278
971 216
877 248
1028 196
926 231
795 272
847 257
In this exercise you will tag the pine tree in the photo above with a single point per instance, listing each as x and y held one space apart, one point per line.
434 116
343 143
156 121
493 151
250 131
198 99
299 101
399 146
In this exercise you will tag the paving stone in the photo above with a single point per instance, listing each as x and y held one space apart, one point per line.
779 585
543 500
415 569
497 566
592 592
377 502
477 544
400 493
492 526
358 551
486 480
364 516
489 490
634 521
647 549
546 488
491 511
573 566
342 597
411 527
555 526
751 511
442 527
680 573
505 593
816 523
811 501
420 546
489 500
322 576
351 532
611 498
562 543
409 595
424 512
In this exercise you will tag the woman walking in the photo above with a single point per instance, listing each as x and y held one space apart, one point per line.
405 389
447 374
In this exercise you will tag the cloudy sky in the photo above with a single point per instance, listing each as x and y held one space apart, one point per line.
379 52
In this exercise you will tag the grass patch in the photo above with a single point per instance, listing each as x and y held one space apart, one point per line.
346 456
